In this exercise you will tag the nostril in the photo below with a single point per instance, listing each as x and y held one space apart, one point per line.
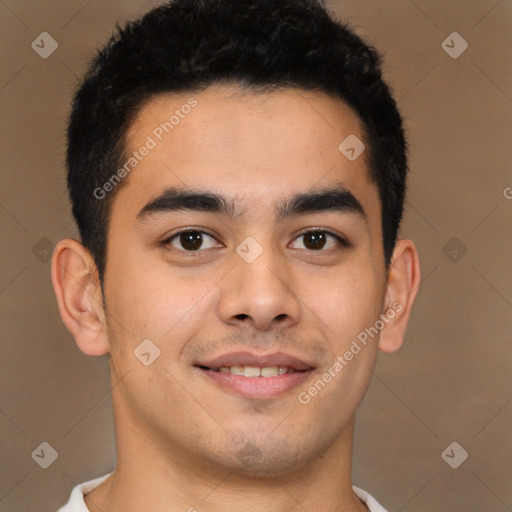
242 316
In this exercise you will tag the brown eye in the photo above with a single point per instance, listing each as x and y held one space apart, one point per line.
315 240
191 240
318 241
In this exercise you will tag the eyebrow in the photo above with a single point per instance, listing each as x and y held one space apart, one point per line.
330 199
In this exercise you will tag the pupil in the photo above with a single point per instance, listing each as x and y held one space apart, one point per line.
191 240
314 240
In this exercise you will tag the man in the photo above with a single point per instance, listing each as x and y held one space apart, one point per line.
237 173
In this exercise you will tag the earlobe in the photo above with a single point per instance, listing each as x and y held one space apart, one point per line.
402 285
79 297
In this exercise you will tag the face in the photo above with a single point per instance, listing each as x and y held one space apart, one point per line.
243 239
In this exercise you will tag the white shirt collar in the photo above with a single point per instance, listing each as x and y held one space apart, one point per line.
76 501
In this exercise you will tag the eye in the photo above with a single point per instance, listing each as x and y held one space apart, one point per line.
191 240
319 240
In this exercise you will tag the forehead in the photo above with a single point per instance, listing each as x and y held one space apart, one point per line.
253 147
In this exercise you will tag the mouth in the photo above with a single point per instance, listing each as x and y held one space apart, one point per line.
256 376
253 371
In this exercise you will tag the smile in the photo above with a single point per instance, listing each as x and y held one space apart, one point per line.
253 371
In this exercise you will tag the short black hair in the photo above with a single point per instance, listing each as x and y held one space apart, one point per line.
263 45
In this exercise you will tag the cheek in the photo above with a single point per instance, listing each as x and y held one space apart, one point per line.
347 302
156 303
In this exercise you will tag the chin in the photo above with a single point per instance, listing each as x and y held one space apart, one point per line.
263 458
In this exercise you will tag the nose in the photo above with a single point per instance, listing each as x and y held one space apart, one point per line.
259 294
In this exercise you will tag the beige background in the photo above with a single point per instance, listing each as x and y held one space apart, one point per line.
452 380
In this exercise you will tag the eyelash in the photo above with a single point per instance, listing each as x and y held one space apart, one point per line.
341 240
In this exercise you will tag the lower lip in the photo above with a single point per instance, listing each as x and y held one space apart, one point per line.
257 387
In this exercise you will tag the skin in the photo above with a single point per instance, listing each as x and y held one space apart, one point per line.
183 443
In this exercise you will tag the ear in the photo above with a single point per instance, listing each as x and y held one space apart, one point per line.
79 297
401 288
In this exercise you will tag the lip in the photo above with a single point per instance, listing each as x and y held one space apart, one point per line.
260 360
256 387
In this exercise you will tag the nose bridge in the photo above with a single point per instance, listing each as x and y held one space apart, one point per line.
265 275
259 289
262 272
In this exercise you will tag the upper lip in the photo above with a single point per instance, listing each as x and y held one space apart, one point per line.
259 360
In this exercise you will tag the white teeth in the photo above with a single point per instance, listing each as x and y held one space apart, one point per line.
271 371
255 371
237 370
251 371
